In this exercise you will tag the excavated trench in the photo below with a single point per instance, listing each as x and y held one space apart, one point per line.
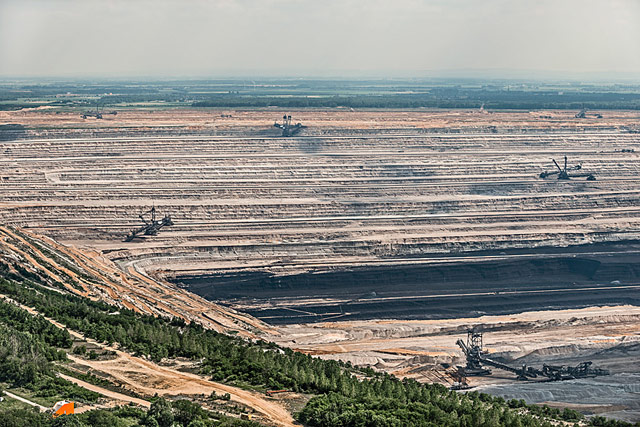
364 215
521 281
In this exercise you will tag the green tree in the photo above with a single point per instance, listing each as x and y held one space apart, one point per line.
81 349
100 418
161 411
24 418
68 421
185 411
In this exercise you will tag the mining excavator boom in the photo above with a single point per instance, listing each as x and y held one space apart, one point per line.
288 129
98 114
477 362
582 114
151 227
564 173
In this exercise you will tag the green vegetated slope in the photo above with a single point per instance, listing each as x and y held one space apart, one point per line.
179 413
344 395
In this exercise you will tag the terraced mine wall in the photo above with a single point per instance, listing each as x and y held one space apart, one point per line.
519 282
397 203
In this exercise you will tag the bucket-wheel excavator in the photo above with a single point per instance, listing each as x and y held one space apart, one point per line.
567 172
150 227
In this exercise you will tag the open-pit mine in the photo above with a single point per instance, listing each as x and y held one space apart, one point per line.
377 237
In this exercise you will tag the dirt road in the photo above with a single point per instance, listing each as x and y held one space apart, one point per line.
28 402
105 392
149 378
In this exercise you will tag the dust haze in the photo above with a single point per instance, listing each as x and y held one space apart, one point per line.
328 38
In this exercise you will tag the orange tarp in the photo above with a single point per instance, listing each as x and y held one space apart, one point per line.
62 408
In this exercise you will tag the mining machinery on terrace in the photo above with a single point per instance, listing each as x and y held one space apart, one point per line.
98 114
475 352
582 114
151 227
477 362
567 172
288 129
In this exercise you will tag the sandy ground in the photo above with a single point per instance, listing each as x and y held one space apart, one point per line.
391 343
317 120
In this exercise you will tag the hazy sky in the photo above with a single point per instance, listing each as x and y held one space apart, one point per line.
316 38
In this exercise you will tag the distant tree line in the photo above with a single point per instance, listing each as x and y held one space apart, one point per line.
499 99
325 94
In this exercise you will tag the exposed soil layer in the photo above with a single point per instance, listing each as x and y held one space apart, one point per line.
483 284
361 188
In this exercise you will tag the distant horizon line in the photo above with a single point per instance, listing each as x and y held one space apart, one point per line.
345 75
